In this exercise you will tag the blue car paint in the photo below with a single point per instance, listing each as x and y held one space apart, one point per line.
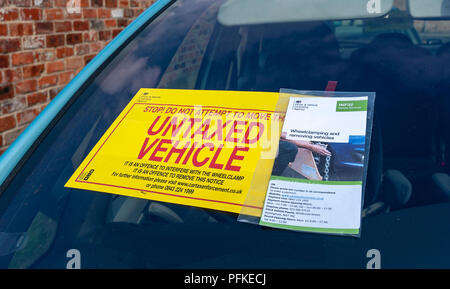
344 152
11 157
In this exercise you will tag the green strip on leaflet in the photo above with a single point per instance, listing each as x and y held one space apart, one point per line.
343 183
310 229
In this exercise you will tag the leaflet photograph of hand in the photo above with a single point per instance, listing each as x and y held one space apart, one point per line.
313 149
307 145
296 158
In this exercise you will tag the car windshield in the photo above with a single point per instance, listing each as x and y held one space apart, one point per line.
405 216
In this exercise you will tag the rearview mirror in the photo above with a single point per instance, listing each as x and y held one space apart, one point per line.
246 12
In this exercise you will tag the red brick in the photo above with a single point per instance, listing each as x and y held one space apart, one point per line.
55 40
80 25
33 70
111 23
90 36
134 3
47 81
7 122
84 3
13 75
128 13
54 14
22 3
3 30
20 29
96 3
10 136
64 52
55 66
74 15
26 86
74 38
122 22
74 63
15 29
22 58
104 35
97 24
44 27
104 13
82 49
96 46
45 55
89 13
111 3
54 92
60 3
38 97
6 91
14 104
63 26
88 58
9 45
116 32
27 116
4 61
65 77
31 14
33 42
123 3
43 3
9 14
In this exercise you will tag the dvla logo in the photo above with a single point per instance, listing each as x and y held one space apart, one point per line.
373 6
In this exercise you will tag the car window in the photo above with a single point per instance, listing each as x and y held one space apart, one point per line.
405 214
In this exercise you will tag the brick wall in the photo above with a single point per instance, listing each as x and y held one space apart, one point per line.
44 44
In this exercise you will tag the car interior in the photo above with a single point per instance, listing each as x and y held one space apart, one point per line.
410 140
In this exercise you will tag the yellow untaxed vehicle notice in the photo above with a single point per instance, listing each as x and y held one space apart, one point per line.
200 148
